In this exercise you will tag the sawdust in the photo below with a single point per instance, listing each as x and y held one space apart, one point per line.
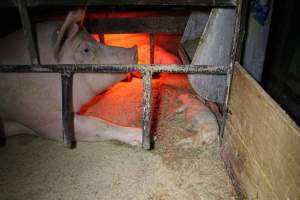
122 105
35 168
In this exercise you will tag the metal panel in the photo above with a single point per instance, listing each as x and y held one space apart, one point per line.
214 47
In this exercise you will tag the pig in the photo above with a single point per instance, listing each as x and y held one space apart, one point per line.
31 103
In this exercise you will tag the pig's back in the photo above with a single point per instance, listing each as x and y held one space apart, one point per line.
29 98
13 49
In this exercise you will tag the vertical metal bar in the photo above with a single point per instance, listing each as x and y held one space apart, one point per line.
67 110
32 48
2 134
147 82
232 63
152 47
101 38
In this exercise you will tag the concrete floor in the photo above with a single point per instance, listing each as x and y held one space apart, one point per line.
36 168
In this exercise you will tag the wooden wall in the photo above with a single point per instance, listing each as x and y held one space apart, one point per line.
261 147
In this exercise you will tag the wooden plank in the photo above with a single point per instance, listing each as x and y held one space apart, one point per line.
261 143
247 179
222 3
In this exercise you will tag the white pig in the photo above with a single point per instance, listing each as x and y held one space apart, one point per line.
31 103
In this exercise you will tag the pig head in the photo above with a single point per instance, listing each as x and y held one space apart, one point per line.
31 103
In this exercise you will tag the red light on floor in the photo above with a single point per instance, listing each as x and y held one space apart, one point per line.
142 41
126 97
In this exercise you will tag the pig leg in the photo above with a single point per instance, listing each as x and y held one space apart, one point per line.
14 128
94 129
86 129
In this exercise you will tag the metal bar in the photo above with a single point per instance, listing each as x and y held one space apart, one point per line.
2 134
147 82
98 68
101 38
232 63
67 110
145 24
215 3
152 47
31 44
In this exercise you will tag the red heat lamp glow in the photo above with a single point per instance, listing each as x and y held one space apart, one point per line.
142 41
122 104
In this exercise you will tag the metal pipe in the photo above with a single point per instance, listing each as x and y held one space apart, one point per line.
31 44
231 66
67 110
210 3
99 68
101 38
152 47
147 83
2 134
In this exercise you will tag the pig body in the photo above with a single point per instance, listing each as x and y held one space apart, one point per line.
31 103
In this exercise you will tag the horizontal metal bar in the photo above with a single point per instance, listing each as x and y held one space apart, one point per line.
102 68
216 3
148 24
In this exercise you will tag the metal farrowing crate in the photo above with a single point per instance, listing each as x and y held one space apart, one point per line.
67 70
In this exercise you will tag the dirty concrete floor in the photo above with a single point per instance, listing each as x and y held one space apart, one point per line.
36 168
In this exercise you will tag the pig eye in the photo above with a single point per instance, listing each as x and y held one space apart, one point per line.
86 50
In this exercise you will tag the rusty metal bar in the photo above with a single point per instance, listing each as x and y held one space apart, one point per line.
67 110
2 134
31 44
231 66
101 38
152 47
100 68
147 83
214 3
146 24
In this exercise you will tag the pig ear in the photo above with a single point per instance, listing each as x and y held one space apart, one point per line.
69 28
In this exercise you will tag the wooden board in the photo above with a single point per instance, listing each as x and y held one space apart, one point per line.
261 147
